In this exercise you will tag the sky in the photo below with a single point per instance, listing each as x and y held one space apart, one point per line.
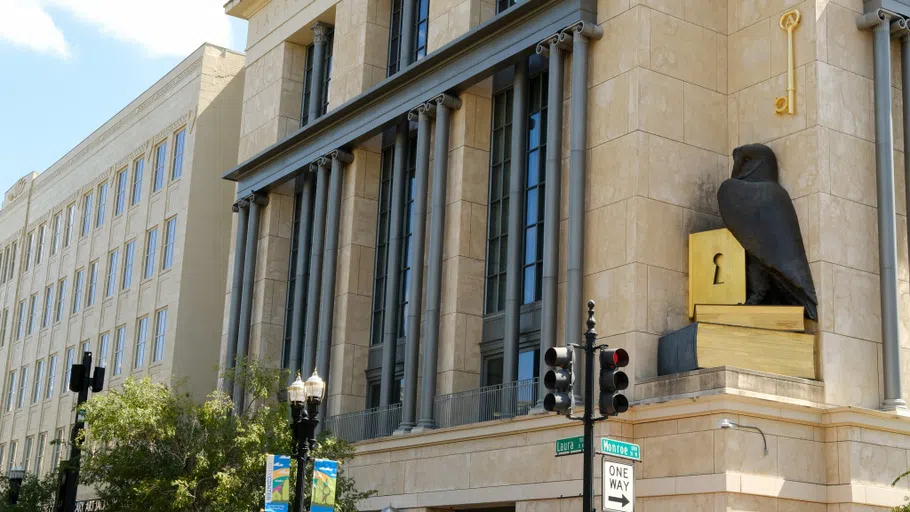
68 66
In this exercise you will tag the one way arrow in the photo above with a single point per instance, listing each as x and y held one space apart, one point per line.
622 501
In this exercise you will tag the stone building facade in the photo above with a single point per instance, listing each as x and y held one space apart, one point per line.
348 182
119 248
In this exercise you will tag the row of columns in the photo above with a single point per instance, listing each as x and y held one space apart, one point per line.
884 26
317 239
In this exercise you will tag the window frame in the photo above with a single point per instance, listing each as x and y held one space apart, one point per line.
170 240
160 163
129 254
141 342
160 337
87 201
151 249
101 209
179 150
51 376
136 189
120 195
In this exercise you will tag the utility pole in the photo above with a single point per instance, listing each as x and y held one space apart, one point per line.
590 337
80 382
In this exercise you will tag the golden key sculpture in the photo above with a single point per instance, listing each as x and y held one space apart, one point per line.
789 21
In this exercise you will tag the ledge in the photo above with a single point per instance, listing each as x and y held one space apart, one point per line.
696 382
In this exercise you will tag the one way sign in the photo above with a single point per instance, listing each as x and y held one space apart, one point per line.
619 487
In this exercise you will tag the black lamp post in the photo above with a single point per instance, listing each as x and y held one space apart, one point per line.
305 398
15 476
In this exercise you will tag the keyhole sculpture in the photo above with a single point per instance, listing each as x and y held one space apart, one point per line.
718 261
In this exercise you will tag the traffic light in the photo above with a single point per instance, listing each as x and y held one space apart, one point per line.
613 380
558 379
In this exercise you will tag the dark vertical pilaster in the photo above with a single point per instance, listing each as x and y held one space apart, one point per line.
300 282
320 38
415 292
406 46
393 266
241 207
315 277
444 104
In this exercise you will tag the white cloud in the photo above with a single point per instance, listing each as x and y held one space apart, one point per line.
162 28
25 23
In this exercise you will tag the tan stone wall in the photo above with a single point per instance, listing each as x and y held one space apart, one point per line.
272 97
361 48
450 19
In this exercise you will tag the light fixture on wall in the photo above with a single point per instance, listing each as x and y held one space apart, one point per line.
727 424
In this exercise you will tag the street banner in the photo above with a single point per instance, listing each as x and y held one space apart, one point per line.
277 483
325 476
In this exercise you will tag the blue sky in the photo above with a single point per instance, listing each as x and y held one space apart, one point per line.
69 65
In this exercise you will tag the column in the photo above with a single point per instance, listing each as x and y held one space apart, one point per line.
241 208
555 48
300 281
393 266
314 109
415 291
339 159
444 105
580 33
406 44
246 300
315 277
518 170
880 23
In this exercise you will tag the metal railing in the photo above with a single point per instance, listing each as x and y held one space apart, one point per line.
487 403
363 425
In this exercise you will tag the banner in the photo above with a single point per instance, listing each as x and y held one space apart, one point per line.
277 483
325 476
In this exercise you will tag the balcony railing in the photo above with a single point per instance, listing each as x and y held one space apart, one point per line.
363 425
472 406
486 404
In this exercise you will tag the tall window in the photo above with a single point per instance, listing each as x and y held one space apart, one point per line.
160 330
58 444
498 213
112 260
104 347
27 452
151 245
12 455
12 262
4 319
70 225
20 323
61 300
102 204
57 226
532 259
308 77
48 306
120 196
39 452
92 284
29 242
86 214
170 235
421 24
158 175
3 262
128 264
11 384
23 387
39 381
51 375
39 253
142 330
382 241
118 349
394 59
78 290
86 347
502 5
136 195
179 144
32 313
68 369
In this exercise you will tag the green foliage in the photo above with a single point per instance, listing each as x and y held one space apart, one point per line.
903 508
35 494
152 448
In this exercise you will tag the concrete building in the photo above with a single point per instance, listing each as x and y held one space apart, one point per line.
429 191
119 248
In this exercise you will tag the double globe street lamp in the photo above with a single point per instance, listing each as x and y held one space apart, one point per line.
305 398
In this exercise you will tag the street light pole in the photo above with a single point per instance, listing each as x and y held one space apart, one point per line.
15 476
305 398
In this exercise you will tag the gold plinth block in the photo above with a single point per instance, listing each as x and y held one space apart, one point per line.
780 318
717 269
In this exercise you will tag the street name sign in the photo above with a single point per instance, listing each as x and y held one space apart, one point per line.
570 445
619 487
620 449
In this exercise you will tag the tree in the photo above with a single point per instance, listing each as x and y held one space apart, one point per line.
152 448
35 495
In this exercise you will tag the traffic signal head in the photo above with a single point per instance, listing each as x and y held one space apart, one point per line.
558 380
612 381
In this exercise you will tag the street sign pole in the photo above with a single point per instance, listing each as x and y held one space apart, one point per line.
590 338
